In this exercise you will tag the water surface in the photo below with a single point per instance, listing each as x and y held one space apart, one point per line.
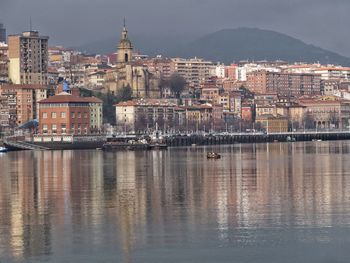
278 202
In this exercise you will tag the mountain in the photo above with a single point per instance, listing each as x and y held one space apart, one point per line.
230 45
146 44
226 46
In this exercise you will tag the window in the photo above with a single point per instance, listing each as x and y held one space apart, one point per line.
63 115
45 128
85 115
79 115
44 115
63 128
54 128
53 115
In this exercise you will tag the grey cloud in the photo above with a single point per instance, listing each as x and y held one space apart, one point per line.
74 22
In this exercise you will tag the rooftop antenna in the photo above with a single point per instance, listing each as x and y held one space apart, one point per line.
124 22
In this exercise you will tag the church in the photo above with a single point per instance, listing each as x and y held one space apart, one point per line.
132 73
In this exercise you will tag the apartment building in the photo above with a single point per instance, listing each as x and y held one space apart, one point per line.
195 71
285 84
28 55
141 114
22 102
96 114
4 113
3 62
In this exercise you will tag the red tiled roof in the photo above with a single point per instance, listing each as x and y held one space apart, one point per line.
92 100
63 99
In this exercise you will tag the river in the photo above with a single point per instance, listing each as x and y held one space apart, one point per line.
277 202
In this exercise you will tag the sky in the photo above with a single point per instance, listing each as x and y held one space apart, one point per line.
323 23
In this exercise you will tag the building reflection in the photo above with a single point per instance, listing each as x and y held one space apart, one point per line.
127 200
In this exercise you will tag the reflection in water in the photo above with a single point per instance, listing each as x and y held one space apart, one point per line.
140 206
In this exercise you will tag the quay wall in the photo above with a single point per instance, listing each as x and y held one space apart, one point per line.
253 138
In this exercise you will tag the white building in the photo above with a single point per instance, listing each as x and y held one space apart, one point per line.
243 70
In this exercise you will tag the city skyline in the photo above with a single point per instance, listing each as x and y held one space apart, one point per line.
301 19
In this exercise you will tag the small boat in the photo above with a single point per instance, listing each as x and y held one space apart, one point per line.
3 150
212 155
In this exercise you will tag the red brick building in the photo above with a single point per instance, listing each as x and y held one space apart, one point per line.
64 114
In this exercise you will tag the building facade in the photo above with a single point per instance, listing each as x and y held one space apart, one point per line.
28 55
64 114
195 71
285 84
4 61
22 102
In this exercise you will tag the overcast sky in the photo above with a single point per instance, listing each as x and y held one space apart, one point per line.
74 22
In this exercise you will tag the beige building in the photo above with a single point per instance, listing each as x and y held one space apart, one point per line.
327 112
28 55
144 114
195 71
273 124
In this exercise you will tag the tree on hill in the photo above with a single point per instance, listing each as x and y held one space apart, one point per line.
177 84
125 93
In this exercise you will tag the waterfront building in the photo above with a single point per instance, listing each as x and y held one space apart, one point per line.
327 112
28 55
141 115
64 114
96 114
144 114
22 101
273 124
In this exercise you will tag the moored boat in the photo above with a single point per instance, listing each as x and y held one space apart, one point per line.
213 155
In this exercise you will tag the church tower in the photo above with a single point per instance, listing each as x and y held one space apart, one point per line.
125 47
